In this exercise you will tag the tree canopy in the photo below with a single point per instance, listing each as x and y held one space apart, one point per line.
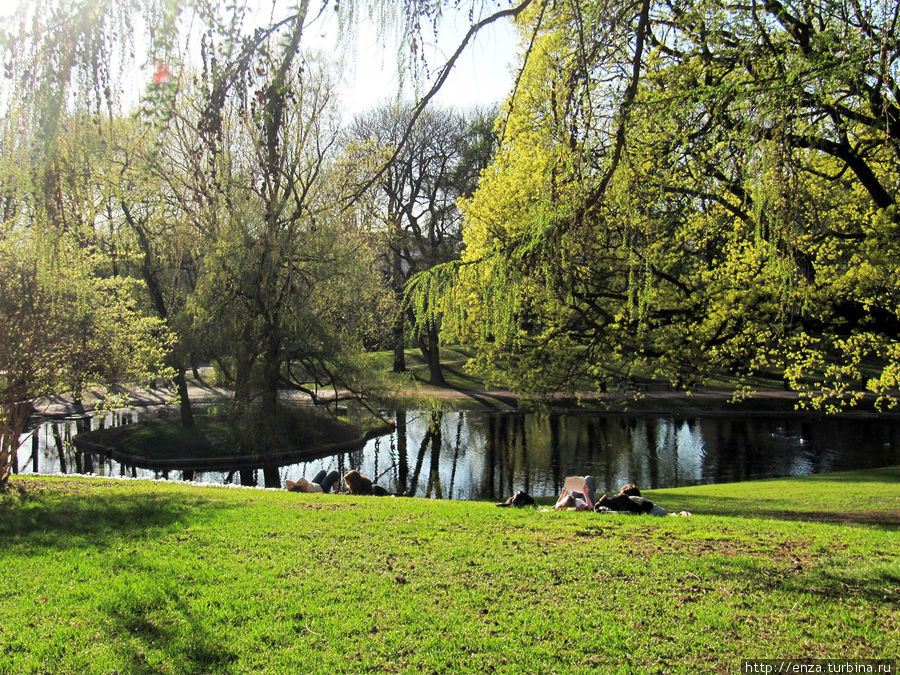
208 196
65 329
415 200
686 189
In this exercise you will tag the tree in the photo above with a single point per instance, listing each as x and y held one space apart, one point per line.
691 189
284 269
416 196
63 323
66 100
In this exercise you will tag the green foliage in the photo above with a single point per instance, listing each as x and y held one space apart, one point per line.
211 181
685 192
285 281
65 329
133 576
410 192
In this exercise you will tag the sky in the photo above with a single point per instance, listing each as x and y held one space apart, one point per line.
482 75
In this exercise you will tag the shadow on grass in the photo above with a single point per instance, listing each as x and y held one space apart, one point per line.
85 515
866 497
888 474
878 586
486 399
179 637
887 519
736 507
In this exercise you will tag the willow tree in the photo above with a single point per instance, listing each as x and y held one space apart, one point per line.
688 189
67 60
50 315
283 271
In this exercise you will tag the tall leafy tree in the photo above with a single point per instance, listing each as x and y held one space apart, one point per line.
276 284
50 315
692 188
81 56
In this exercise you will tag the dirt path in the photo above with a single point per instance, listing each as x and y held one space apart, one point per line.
706 401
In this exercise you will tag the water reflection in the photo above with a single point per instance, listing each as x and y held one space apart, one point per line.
490 455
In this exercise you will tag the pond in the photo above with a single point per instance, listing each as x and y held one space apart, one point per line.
489 455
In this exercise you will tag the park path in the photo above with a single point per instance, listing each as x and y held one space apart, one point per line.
202 392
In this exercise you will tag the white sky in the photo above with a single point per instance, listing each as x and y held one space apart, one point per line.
483 74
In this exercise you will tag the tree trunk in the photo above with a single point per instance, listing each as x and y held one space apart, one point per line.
271 377
57 439
397 339
184 399
429 345
13 418
397 284
243 368
271 477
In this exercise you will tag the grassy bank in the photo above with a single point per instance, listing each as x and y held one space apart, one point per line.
104 576
644 395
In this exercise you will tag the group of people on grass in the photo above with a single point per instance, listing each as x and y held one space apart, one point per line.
578 493
353 483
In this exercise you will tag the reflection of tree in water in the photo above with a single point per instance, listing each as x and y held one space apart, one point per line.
434 476
432 437
606 455
402 460
457 447
662 437
59 446
506 455
555 453
640 438
492 454
526 465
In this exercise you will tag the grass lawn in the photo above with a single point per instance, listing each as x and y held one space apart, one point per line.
103 576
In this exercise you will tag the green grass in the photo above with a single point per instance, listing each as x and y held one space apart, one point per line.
103 576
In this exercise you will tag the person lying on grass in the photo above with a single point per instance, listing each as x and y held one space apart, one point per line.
628 500
323 482
357 484
577 494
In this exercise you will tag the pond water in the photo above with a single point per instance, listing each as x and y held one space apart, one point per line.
490 455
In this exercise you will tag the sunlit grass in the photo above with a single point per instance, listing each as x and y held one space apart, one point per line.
104 576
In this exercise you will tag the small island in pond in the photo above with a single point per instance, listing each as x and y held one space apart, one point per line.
224 442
